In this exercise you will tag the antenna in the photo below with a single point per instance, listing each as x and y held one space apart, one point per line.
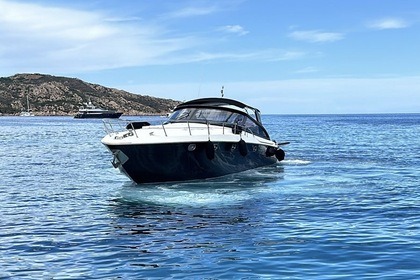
223 87
199 90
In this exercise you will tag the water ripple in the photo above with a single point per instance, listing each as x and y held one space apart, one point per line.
344 204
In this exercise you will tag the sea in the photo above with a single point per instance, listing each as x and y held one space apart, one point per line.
344 204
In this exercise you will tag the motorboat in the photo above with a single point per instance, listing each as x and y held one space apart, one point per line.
203 138
90 111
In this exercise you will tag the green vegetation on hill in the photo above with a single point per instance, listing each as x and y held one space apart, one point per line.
50 95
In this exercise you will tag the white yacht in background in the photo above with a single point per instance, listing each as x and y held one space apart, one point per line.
90 111
28 112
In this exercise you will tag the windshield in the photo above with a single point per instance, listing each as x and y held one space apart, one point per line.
218 116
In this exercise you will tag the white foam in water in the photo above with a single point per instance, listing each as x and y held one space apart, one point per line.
185 195
226 190
296 161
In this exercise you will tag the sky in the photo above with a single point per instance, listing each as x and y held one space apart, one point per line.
281 56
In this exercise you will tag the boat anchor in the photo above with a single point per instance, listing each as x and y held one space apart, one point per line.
119 158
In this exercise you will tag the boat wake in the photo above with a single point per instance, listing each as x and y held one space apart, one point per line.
296 162
186 197
222 191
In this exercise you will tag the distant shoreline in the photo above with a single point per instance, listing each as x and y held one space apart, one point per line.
285 115
72 115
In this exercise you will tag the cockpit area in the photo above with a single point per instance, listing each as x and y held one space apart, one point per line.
219 116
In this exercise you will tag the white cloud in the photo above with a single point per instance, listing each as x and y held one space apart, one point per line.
306 70
192 12
234 29
37 38
49 39
31 20
316 36
264 55
388 23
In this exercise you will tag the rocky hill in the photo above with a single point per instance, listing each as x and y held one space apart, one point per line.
50 95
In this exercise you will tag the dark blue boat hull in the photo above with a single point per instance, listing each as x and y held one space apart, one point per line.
188 161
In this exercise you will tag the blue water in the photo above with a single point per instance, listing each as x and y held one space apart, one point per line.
345 204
